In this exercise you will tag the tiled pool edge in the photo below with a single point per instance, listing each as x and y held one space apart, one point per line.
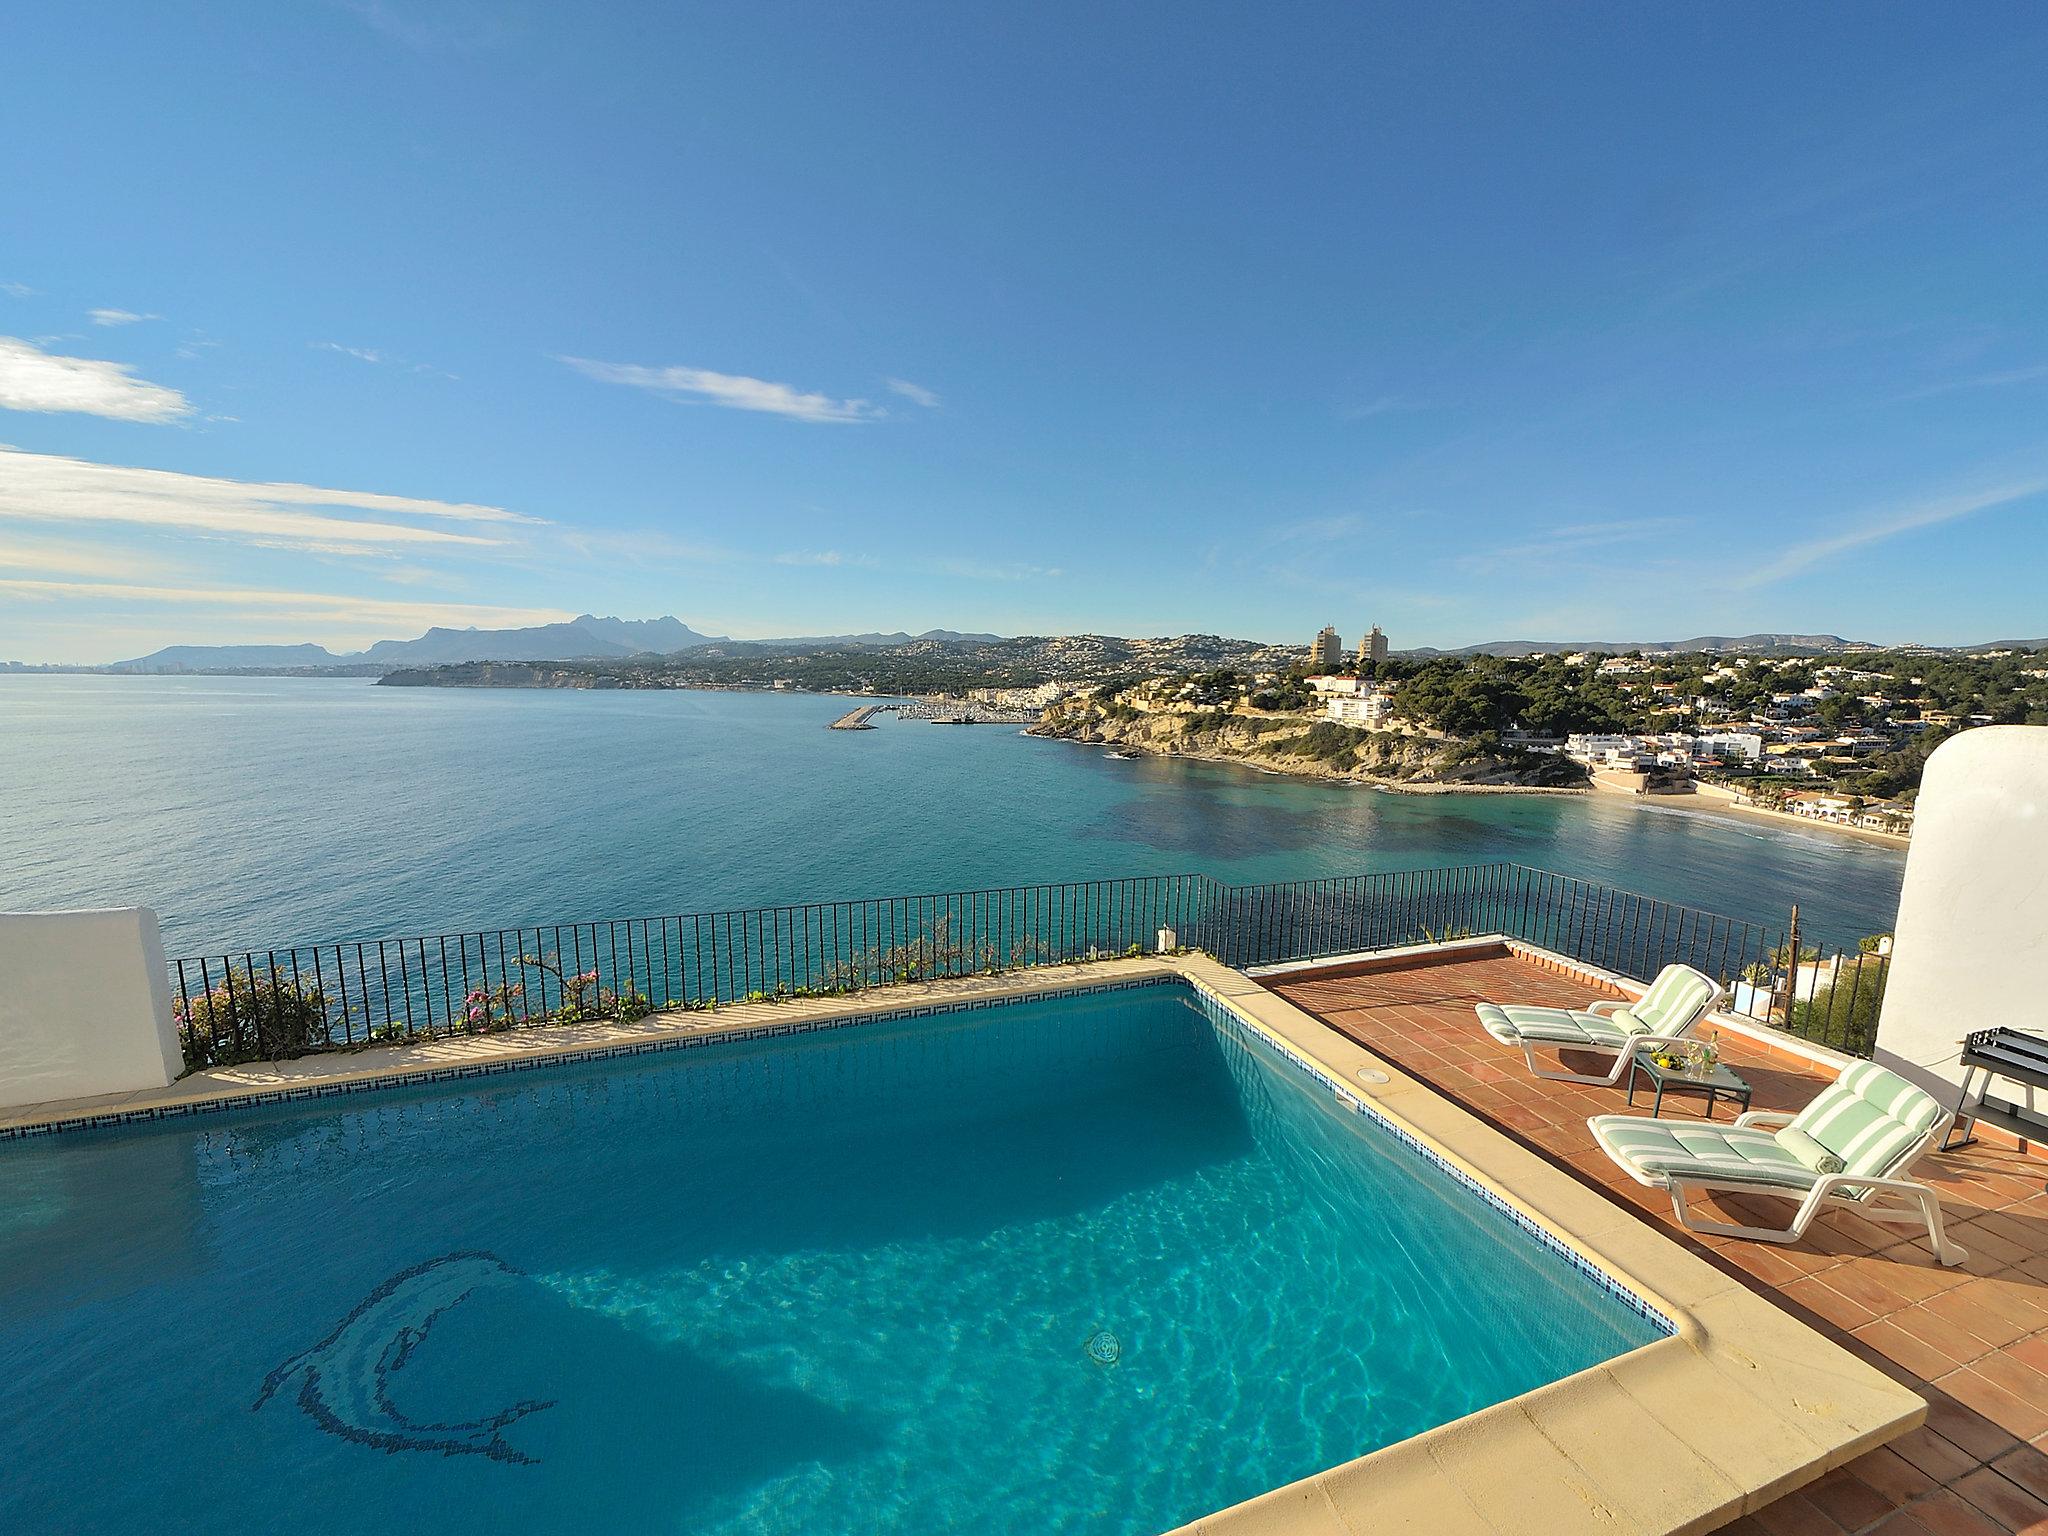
330 1075
1740 1405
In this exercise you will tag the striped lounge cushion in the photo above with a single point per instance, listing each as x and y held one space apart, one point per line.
1675 1000
1685 1149
1513 1024
1870 1118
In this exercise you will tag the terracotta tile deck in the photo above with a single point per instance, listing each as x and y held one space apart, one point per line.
1972 1340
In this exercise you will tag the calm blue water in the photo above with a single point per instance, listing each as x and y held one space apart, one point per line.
253 812
843 1284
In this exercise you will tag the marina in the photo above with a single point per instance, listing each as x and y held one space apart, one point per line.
939 711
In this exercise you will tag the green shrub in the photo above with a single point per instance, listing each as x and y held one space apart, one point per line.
1844 1014
1328 741
253 1018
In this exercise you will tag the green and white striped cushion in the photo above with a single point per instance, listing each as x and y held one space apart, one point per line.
1869 1118
1697 1151
1516 1022
1675 1000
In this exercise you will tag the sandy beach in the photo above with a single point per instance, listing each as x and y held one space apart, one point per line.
1708 798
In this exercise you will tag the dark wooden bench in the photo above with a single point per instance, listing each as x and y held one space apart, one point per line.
2008 1054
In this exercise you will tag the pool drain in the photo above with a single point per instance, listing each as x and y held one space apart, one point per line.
1103 1347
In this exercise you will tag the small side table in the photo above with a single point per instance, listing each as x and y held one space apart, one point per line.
1717 1084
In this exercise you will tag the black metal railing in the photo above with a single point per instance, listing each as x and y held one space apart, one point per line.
257 1004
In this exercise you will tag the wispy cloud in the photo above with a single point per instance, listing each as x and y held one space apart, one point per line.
700 386
117 317
826 557
34 380
1383 405
917 394
50 557
360 354
17 290
2000 380
991 570
314 607
1319 530
1876 527
1570 541
644 546
435 26
378 358
50 488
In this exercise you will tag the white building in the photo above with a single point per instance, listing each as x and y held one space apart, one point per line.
1348 687
1746 745
1372 710
1605 751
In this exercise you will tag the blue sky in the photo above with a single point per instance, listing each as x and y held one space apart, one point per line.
331 320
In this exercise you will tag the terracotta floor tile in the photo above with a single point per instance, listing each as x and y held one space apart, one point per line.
1956 1421
1817 1296
1973 1309
1935 1454
2015 1375
1892 1475
1916 1355
2004 1501
1958 1345
1849 1501
2026 1229
1872 1283
2027 1467
1949 1514
2016 1416
2032 1351
1796 1515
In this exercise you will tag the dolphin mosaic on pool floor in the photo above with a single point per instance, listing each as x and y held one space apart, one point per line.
345 1379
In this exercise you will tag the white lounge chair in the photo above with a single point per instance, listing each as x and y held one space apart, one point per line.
1677 1000
1850 1149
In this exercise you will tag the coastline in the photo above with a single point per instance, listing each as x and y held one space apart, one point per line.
1784 818
1717 802
1314 774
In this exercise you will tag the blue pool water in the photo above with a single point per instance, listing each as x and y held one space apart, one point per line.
1096 1263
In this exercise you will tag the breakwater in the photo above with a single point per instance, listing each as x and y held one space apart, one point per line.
964 712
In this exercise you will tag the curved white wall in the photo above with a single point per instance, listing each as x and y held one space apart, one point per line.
85 1005
1972 939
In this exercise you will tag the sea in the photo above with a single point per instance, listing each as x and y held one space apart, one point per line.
260 812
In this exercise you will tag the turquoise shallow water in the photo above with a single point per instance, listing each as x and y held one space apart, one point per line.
847 1283
260 811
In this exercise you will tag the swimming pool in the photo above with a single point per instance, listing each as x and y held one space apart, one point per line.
1100 1261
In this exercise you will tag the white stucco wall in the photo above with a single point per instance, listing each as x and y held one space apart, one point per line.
85 1005
1972 936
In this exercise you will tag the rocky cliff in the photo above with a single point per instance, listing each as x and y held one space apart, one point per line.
1299 744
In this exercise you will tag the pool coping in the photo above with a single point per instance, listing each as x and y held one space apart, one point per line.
1739 1405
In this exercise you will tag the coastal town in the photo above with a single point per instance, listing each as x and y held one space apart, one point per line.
1836 739
1809 727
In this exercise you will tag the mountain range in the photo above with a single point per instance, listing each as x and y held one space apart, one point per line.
590 638
1750 643
583 638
